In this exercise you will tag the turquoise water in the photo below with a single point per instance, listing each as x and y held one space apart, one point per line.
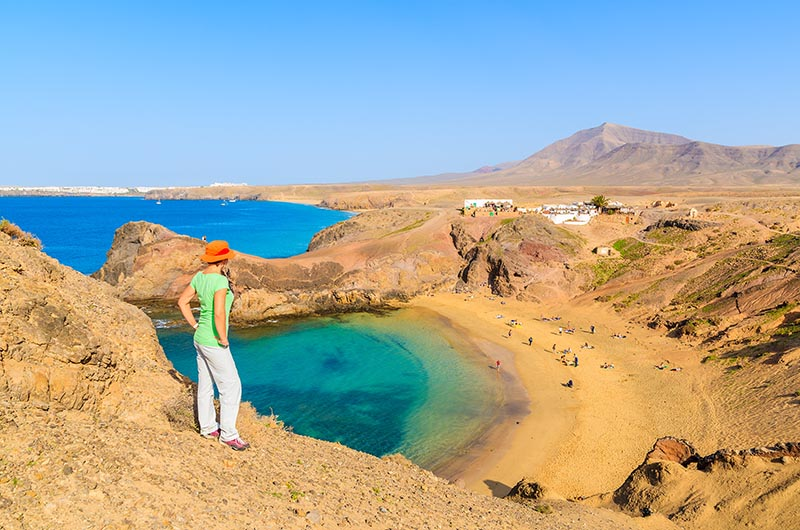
396 382
379 384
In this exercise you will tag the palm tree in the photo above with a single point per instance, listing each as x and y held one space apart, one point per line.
600 202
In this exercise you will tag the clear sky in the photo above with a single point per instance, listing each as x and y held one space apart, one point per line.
123 93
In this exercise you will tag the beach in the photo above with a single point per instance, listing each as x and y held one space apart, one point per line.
584 439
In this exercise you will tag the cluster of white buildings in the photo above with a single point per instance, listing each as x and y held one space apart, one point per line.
489 203
577 213
74 190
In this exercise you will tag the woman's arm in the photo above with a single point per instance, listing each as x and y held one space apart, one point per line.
183 304
220 318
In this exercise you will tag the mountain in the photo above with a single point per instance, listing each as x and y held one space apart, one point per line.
615 155
589 145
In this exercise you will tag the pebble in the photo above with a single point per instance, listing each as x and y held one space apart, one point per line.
314 516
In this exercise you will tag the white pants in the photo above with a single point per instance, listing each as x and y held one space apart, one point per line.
215 366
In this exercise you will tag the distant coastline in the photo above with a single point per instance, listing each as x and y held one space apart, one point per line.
89 191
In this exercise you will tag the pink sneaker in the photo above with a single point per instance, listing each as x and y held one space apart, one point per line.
237 444
213 434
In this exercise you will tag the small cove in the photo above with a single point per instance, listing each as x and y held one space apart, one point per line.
402 381
381 384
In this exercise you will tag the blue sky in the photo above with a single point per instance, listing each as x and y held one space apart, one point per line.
189 93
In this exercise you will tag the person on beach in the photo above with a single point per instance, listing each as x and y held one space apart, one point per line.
497 365
509 332
530 341
214 360
576 361
591 328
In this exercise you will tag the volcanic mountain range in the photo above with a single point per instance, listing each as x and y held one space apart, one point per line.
616 155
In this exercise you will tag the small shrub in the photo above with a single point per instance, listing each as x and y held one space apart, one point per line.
543 508
19 235
272 421
179 411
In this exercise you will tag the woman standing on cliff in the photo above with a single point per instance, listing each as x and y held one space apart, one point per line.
214 360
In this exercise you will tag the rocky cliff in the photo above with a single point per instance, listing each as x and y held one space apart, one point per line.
56 352
372 260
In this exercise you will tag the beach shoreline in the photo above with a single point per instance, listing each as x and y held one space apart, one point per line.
581 440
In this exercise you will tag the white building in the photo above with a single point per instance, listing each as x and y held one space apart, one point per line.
481 203
577 213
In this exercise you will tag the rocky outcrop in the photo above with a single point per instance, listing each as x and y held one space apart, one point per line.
782 453
691 225
131 240
68 343
525 257
371 261
529 490
725 490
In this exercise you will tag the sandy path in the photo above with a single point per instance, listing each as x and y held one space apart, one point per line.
586 439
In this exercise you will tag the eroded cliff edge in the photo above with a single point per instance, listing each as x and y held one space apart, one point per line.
372 260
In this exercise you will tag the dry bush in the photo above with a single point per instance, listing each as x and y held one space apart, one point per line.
18 234
180 411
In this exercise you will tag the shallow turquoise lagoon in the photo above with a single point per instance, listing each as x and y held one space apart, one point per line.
377 383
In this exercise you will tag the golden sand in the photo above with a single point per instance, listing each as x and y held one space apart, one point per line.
585 439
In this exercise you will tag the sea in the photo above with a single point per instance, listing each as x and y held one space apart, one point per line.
382 383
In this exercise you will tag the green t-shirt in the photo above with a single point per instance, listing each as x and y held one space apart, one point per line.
205 285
